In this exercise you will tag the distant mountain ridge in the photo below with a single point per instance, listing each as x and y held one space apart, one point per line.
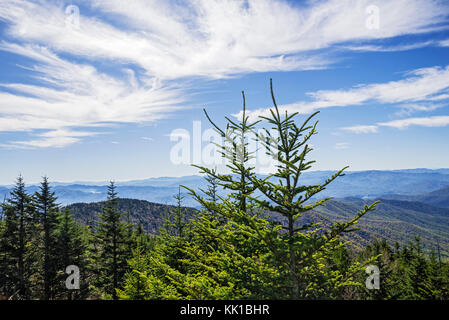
439 198
393 184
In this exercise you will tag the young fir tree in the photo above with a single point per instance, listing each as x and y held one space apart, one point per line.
212 187
214 260
178 216
15 259
298 251
112 246
130 234
48 212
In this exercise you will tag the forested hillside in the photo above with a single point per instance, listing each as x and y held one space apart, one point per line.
439 198
148 214
393 220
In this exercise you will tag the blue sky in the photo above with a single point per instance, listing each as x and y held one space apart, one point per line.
91 90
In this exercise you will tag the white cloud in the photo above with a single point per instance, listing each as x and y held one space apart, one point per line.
361 129
56 139
216 38
167 41
147 138
77 95
419 85
444 43
392 48
408 109
341 145
435 121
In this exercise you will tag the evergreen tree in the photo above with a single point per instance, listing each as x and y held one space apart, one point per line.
245 254
178 220
112 246
16 233
48 212
212 187
72 251
298 251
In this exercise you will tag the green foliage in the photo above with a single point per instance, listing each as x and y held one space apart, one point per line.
263 240
16 234
37 243
72 249
233 250
47 246
147 214
113 246
407 273
298 252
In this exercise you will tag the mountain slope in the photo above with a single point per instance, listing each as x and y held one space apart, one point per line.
149 214
439 198
393 220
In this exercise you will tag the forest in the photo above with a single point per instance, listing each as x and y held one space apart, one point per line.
228 249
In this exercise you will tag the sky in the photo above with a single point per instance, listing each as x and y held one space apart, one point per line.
107 89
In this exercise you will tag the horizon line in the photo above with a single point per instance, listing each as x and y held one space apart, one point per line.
104 182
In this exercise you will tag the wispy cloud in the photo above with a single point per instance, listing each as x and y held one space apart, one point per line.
435 121
77 95
408 109
426 84
55 138
361 129
341 145
155 45
391 48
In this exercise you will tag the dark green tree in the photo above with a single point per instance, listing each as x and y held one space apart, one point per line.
16 233
212 187
113 247
48 212
299 251
72 249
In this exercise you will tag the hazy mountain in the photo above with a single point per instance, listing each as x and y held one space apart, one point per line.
438 197
362 184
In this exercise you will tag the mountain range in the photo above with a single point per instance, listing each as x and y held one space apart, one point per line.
396 221
394 184
412 202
